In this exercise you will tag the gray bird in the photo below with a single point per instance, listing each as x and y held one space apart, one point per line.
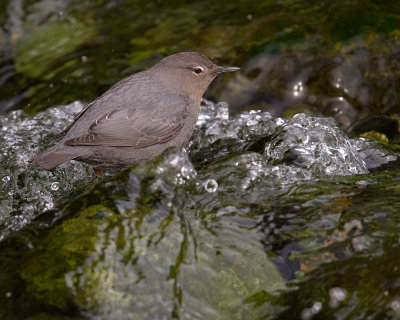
139 117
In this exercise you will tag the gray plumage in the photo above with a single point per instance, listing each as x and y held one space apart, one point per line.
139 117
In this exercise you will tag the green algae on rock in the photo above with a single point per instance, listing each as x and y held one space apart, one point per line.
47 45
219 238
136 251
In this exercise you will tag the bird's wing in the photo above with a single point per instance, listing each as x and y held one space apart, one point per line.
137 128
118 96
66 129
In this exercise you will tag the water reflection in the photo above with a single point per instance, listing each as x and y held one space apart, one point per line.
173 262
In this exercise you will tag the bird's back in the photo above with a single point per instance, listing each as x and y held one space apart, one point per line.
141 92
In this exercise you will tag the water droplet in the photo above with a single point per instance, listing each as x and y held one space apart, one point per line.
395 305
339 83
337 295
174 160
316 307
187 172
251 122
298 88
159 170
54 186
211 185
223 113
308 313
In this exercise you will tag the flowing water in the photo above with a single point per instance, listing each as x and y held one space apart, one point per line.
247 218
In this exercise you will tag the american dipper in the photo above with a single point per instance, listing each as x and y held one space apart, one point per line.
139 117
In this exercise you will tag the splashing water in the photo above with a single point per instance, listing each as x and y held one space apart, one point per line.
282 152
27 190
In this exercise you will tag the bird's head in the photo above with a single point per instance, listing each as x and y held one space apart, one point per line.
190 72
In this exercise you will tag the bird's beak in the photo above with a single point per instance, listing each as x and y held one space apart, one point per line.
227 69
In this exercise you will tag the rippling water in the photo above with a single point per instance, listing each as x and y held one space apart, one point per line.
240 222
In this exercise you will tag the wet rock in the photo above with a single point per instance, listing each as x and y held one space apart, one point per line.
186 234
250 148
315 144
27 191
379 123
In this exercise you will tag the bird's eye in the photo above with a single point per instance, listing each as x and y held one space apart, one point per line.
198 70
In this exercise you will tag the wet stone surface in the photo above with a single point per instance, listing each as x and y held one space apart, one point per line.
28 191
253 145
217 229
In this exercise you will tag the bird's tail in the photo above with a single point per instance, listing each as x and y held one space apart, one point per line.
50 159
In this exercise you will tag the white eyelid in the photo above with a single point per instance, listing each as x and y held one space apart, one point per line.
198 68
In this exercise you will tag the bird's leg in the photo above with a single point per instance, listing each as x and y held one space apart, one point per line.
98 172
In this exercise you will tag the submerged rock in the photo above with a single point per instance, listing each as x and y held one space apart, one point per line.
252 147
185 235
315 144
299 149
27 191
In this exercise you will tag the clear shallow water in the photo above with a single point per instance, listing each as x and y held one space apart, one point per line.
236 226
